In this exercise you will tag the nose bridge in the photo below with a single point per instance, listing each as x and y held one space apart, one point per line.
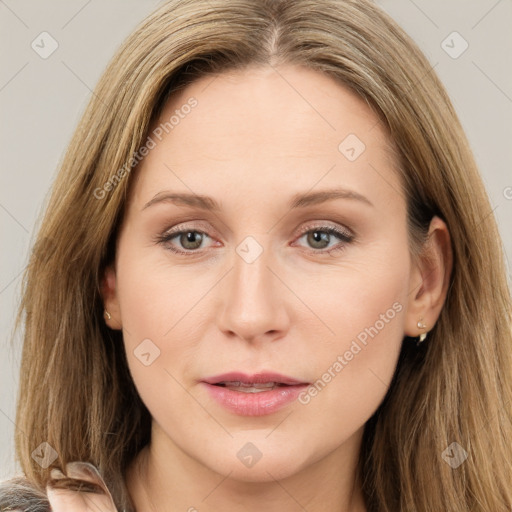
252 304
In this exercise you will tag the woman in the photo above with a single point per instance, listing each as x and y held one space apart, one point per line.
267 278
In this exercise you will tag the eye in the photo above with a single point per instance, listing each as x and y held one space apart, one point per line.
319 238
188 239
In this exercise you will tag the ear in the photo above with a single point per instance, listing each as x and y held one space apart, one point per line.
430 279
110 300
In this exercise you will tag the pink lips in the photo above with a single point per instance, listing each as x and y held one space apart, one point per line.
254 403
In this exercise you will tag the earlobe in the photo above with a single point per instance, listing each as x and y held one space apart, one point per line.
430 281
111 313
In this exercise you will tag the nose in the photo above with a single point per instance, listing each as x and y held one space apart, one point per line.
253 303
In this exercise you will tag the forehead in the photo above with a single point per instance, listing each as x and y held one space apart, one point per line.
273 129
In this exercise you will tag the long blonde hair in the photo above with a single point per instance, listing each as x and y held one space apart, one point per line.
76 392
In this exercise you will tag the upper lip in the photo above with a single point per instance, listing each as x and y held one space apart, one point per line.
255 378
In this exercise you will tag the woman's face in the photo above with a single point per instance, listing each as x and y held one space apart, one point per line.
296 262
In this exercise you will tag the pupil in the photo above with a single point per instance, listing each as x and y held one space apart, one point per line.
320 237
193 238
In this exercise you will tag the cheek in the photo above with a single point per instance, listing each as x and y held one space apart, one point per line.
153 294
363 308
155 300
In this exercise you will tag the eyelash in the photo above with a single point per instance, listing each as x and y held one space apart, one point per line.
345 237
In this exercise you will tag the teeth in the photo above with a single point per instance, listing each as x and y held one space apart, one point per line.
248 385
250 389
257 387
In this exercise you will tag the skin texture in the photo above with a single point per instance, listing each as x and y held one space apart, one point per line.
255 138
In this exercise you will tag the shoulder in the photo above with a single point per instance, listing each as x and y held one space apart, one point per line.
19 494
80 489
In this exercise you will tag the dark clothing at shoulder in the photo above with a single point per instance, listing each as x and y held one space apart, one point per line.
19 494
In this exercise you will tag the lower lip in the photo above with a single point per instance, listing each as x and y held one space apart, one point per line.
255 404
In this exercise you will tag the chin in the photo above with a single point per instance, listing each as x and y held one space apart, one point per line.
272 465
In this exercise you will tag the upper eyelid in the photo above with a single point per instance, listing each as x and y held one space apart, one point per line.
189 226
326 224
198 226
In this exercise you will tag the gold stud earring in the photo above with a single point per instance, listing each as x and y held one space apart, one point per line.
108 315
423 335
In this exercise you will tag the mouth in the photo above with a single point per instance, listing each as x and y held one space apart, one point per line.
257 382
244 387
253 395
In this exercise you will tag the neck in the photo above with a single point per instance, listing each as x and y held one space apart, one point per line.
163 478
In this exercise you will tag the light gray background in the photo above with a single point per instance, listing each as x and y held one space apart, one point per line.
41 101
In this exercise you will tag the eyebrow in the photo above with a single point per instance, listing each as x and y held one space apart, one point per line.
300 200
194 200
